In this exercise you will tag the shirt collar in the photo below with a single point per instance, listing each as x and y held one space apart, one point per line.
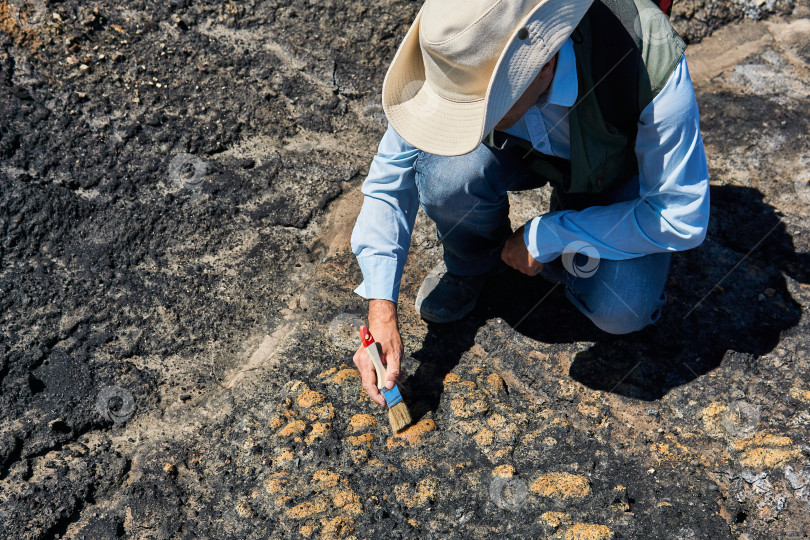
565 86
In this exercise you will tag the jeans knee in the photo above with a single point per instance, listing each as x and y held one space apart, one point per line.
453 182
623 296
625 319
437 193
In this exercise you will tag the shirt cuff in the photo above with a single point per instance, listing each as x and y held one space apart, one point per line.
541 238
381 278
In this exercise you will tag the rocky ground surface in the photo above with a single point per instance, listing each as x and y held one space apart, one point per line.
178 182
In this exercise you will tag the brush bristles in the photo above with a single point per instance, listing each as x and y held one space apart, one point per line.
399 416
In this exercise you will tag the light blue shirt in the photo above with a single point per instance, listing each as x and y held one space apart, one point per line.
546 124
670 214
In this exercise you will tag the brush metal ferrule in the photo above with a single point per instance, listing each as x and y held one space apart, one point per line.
392 397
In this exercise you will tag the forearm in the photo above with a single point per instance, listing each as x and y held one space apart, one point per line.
622 230
382 234
382 318
382 313
671 209
380 242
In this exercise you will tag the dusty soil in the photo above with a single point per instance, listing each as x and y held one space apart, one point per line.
178 182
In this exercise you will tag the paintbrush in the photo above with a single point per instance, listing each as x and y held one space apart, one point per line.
398 413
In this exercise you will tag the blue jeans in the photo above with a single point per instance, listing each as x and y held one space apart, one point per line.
467 198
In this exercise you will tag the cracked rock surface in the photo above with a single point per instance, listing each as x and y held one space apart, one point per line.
178 183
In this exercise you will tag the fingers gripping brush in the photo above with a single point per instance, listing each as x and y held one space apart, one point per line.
398 413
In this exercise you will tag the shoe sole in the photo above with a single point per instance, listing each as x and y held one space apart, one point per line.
430 317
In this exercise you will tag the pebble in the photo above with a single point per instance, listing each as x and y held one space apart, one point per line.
153 120
58 425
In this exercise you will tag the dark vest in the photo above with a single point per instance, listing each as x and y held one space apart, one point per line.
625 52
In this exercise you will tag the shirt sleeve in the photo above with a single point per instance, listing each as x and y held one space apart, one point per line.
671 212
382 233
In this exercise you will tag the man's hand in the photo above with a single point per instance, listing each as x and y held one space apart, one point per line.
516 255
382 322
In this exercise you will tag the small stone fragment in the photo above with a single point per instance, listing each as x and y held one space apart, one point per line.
496 383
348 501
415 432
561 484
324 412
59 425
277 482
416 463
337 527
308 508
801 395
320 430
418 496
344 375
555 519
360 422
485 437
293 428
588 531
325 479
503 471
308 398
360 440
244 510
590 410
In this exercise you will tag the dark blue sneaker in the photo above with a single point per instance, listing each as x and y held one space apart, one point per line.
445 297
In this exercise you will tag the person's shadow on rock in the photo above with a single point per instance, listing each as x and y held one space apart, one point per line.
729 296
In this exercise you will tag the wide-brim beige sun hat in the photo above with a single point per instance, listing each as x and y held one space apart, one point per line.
464 63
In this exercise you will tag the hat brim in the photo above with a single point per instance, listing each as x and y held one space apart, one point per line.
450 128
422 117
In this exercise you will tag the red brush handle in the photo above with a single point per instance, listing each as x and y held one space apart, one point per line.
365 336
